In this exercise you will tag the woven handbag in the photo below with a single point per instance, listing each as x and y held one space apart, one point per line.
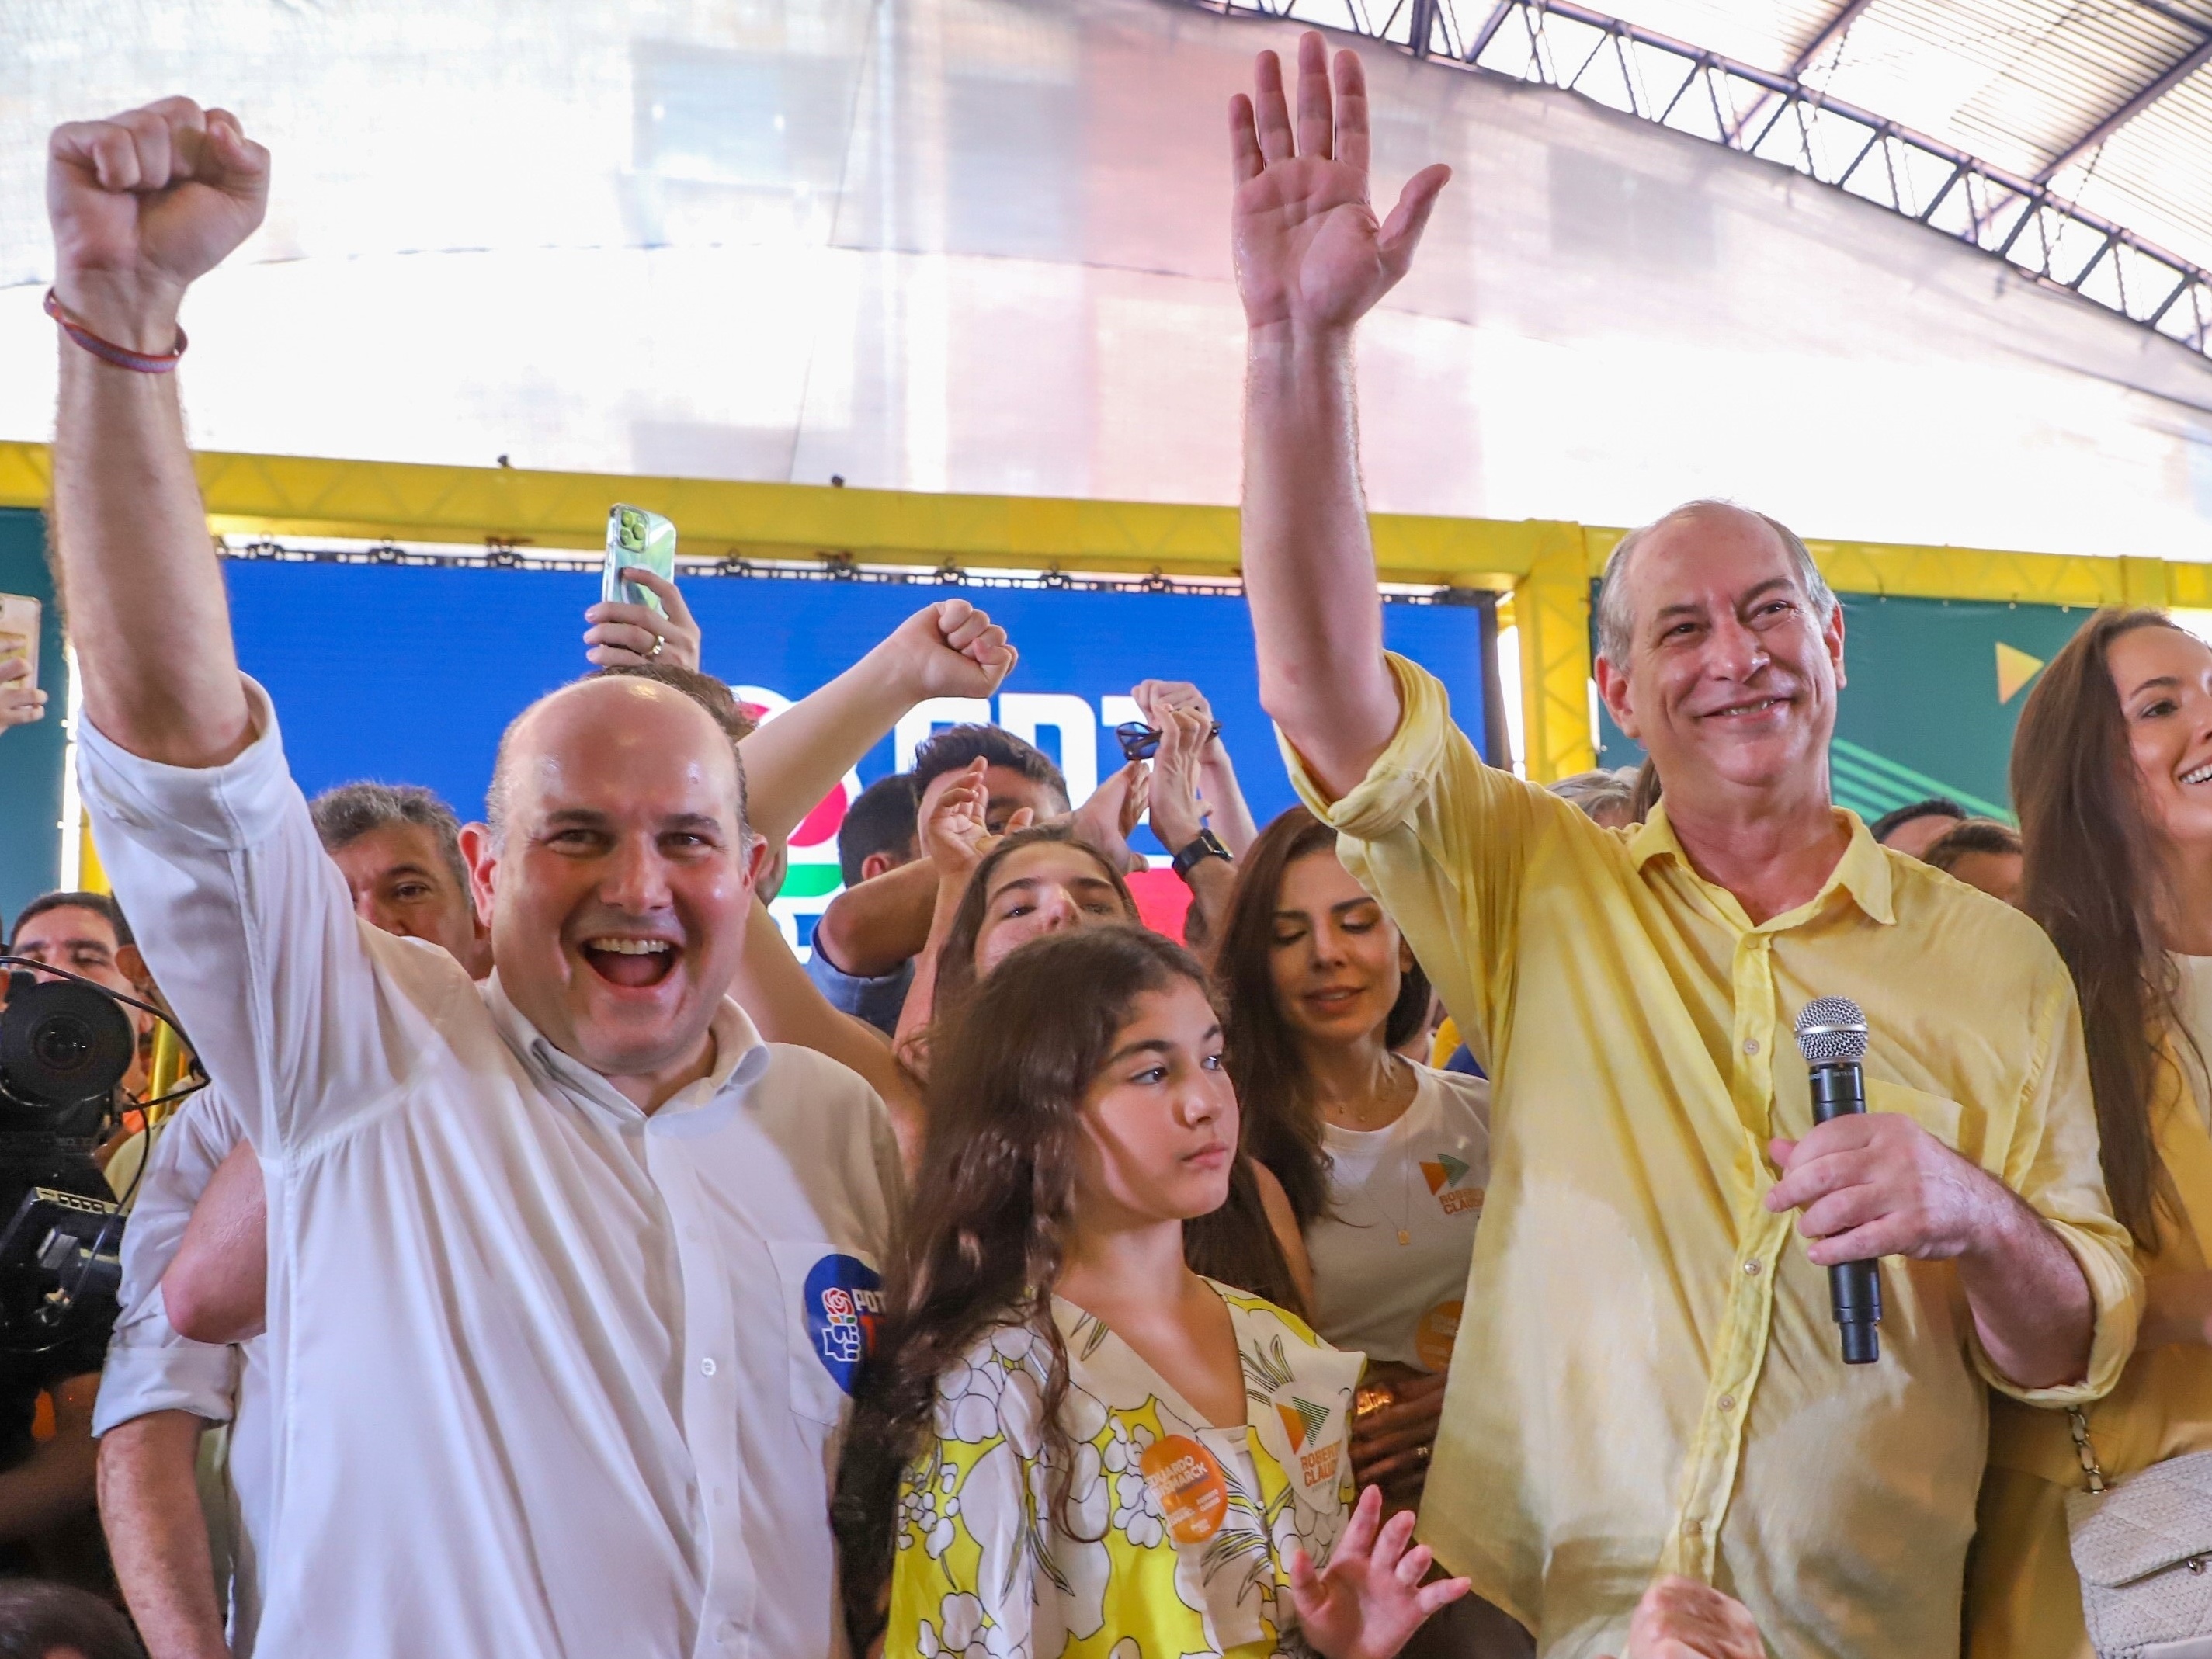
2143 1549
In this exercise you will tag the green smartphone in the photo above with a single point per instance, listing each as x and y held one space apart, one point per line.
635 537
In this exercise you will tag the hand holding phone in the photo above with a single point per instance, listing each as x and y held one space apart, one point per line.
644 540
640 617
20 699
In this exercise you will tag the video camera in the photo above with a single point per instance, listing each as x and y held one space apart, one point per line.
65 1046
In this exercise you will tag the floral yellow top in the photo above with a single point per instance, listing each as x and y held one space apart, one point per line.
1180 1534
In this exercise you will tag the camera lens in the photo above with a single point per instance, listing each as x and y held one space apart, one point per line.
62 1043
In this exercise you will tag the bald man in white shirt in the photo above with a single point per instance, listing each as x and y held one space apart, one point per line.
566 1277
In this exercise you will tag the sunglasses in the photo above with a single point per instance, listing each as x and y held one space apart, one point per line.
1141 741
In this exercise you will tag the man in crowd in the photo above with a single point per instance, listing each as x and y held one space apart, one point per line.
398 847
568 1240
1647 1380
1982 853
86 933
879 835
864 945
1913 830
48 1483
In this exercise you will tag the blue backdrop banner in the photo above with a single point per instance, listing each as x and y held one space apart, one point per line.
408 674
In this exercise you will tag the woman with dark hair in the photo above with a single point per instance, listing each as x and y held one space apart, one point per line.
997 893
1035 882
1065 1434
2112 773
1384 1160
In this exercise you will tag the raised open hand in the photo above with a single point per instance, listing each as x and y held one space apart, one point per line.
956 835
1107 818
1371 1600
1310 252
142 204
1171 796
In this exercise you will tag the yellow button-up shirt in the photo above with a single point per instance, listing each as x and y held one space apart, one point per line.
1647 1376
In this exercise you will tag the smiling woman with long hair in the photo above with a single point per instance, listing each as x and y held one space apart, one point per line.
2112 771
1385 1161
1065 1435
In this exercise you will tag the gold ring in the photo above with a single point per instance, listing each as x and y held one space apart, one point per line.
658 640
1421 1453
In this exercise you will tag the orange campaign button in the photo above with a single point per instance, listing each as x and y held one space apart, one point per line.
1194 1494
1434 1336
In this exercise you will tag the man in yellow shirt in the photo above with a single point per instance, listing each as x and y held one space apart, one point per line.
1647 1379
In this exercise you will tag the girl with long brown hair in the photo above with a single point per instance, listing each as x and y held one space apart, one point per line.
999 892
1385 1161
1065 1435
2112 773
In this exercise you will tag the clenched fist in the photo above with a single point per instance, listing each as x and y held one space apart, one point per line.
142 204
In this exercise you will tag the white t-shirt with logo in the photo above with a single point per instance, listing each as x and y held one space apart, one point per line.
1390 1252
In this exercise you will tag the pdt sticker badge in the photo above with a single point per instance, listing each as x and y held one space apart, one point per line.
844 1300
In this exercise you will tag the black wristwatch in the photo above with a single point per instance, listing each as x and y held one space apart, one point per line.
1207 846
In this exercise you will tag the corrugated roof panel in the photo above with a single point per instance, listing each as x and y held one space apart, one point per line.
2015 82
1767 35
2154 174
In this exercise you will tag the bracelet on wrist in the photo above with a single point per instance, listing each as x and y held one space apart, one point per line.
107 351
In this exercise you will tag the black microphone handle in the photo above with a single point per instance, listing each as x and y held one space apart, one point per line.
1854 1287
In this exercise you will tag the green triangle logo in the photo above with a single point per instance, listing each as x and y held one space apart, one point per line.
1455 1168
1311 1416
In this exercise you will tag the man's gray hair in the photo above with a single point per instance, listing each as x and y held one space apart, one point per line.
1600 792
712 695
345 814
1616 620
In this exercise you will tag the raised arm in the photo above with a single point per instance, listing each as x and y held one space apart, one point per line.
949 649
1312 260
1227 813
142 205
787 1008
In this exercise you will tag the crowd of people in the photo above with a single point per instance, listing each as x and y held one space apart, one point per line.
554 1264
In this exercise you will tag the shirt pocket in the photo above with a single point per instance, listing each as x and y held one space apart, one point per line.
832 1300
1943 1119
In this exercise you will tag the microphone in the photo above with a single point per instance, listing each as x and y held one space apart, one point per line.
1831 1035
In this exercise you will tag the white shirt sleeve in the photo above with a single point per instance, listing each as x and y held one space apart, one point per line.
247 928
150 1368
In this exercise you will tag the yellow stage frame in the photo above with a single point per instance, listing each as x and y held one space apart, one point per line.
1542 568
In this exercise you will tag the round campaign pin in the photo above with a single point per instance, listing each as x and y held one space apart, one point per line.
1189 1484
1434 1336
844 1298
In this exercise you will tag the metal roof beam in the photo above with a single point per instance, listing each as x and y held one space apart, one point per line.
1424 24
2136 103
1839 20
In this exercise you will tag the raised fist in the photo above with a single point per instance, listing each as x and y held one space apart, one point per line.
142 203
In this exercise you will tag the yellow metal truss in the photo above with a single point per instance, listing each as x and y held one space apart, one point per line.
1545 566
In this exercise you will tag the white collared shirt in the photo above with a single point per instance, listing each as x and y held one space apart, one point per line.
555 1378
151 1368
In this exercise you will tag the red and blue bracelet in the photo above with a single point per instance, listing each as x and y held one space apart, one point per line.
107 351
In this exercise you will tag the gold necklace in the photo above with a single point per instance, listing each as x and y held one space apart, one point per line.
1405 1226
